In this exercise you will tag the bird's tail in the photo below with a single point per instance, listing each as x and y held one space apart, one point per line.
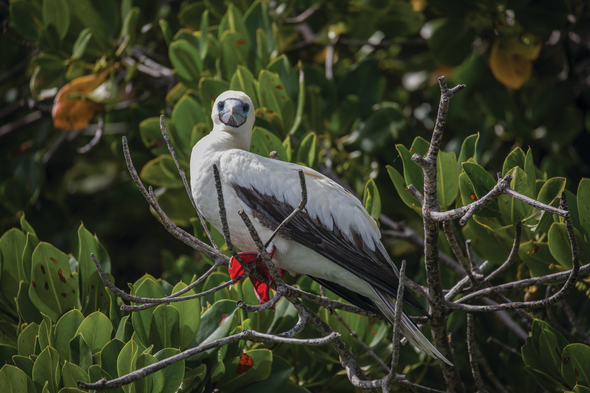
408 328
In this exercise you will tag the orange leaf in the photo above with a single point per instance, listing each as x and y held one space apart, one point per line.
510 70
246 363
69 111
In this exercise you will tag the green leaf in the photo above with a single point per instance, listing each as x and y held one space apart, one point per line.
216 323
264 142
13 379
447 179
279 375
238 374
72 374
372 199
12 246
186 114
96 329
550 352
148 287
468 149
26 340
25 308
27 258
87 245
307 151
166 30
482 182
485 241
365 81
538 258
233 21
283 68
209 89
57 13
164 327
407 197
65 329
127 360
149 129
259 23
80 352
173 374
109 354
273 95
92 18
26 19
46 369
54 289
513 210
203 38
177 206
25 363
413 174
576 369
151 383
98 296
186 60
154 172
516 158
189 316
128 30
235 50
560 247
531 173
451 42
243 80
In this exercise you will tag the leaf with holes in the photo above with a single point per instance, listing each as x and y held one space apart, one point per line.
54 290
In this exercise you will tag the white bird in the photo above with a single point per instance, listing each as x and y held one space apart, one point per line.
333 240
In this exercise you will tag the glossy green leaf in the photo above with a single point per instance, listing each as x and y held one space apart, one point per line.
26 17
560 247
186 114
513 210
127 360
164 327
25 308
413 174
531 173
400 186
148 287
80 352
468 149
88 244
54 289
274 96
307 151
154 173
482 182
57 13
235 51
447 179
243 80
233 21
166 30
96 329
257 20
46 369
72 374
372 199
27 259
216 323
13 379
151 383
538 258
577 368
485 241
109 355
173 374
26 340
12 245
65 329
203 38
515 158
264 142
189 316
283 68
186 60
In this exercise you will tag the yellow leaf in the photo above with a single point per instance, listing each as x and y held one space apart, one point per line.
512 71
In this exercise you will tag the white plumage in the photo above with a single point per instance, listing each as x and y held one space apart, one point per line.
334 240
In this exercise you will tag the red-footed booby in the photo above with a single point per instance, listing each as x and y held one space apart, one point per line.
333 240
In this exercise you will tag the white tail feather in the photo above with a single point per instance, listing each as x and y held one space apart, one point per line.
408 329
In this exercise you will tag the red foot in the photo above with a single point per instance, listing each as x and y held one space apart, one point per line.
261 289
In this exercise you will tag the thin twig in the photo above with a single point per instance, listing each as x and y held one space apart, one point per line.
511 257
302 17
97 136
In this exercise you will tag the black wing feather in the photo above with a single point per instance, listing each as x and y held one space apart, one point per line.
371 265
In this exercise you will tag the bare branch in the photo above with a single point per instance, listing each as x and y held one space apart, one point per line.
511 257
473 355
97 136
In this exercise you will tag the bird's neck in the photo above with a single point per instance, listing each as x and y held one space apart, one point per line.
223 139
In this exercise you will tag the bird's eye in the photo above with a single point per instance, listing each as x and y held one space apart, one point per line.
246 108
221 105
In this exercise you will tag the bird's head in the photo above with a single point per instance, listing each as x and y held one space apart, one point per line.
233 111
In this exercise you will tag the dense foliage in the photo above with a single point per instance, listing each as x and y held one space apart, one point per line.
367 102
